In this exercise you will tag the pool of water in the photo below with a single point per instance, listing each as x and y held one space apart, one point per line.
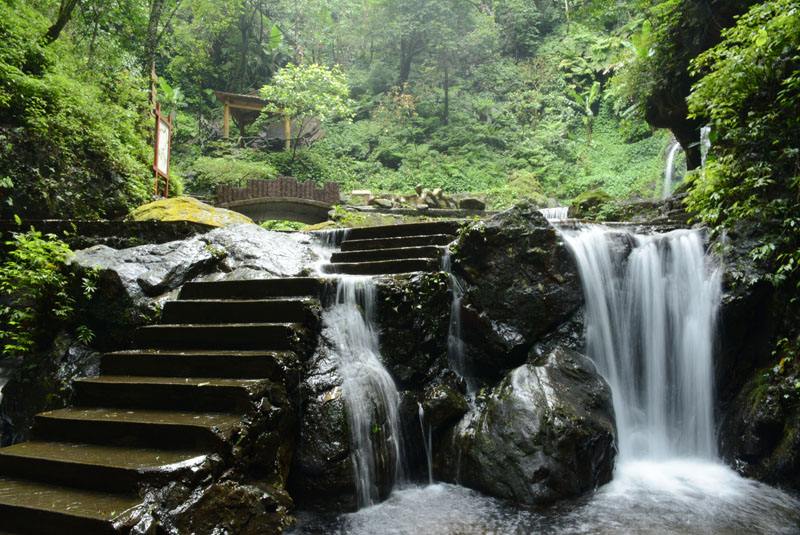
664 497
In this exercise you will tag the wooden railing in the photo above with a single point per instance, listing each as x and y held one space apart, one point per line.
285 187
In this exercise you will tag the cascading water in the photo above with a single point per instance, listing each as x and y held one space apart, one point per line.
650 318
455 344
370 394
555 214
669 169
651 303
427 441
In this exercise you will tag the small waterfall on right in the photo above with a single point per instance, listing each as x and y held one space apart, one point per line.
669 169
651 306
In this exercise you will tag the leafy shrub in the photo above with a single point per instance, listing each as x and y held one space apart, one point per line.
71 146
206 173
34 290
751 93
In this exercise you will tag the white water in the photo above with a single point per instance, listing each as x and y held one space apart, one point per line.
669 169
650 322
370 394
427 442
456 355
555 214
705 145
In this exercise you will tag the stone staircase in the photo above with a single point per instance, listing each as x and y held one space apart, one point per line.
156 412
393 249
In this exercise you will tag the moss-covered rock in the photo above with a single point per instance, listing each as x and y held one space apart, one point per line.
590 204
187 209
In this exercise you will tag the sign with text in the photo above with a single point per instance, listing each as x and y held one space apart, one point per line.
162 150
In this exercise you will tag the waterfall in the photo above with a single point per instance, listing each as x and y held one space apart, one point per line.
669 169
555 214
427 441
705 145
456 356
650 318
370 394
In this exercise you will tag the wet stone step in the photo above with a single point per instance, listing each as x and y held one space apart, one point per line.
137 428
30 507
385 267
297 310
89 466
265 336
173 393
394 243
239 364
252 289
387 254
408 229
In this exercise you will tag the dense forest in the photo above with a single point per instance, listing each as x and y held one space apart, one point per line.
511 99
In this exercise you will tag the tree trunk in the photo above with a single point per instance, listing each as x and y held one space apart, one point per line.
65 10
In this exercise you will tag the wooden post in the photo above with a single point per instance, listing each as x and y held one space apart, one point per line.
287 131
226 121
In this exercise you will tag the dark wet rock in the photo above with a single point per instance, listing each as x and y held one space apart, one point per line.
413 317
443 404
545 433
520 283
224 506
43 381
322 470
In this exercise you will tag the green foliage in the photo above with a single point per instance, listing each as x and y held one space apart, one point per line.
71 144
206 173
34 290
750 93
307 92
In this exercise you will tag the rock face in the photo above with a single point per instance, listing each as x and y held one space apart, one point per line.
520 283
322 473
188 209
42 382
133 282
544 433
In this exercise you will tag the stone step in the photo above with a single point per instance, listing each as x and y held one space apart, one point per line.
93 467
297 310
226 364
265 336
406 229
169 393
374 255
137 428
30 507
252 289
384 267
395 243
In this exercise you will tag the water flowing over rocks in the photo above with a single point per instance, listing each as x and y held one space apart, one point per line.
544 433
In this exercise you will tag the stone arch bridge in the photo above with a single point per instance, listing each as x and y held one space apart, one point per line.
281 198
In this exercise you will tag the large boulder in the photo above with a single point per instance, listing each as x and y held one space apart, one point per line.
544 433
188 209
520 283
132 283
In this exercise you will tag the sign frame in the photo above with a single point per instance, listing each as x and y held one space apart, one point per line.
161 168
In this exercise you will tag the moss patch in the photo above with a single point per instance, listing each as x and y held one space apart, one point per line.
188 209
